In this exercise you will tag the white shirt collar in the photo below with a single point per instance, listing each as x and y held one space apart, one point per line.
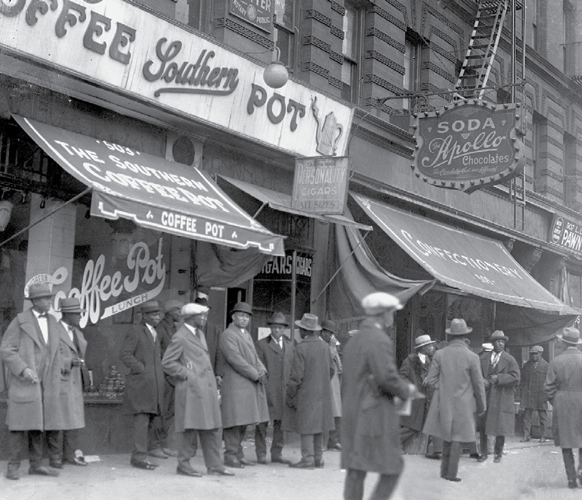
191 328
422 357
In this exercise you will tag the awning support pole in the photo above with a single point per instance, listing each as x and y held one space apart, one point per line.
340 267
75 198
293 292
259 210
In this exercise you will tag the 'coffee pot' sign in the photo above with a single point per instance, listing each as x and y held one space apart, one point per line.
468 145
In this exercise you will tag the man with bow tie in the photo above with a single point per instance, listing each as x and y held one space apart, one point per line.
72 346
197 411
501 375
30 351
276 353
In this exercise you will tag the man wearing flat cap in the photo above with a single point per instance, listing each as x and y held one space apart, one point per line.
328 335
415 368
309 392
244 399
563 386
456 377
73 377
370 432
144 384
197 410
276 352
31 355
531 388
501 374
166 329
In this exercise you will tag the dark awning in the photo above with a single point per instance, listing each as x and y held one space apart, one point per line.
282 203
475 264
153 192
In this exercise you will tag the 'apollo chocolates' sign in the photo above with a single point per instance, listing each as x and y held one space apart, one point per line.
468 146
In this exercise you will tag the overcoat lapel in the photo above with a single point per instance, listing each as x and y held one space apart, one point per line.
32 329
64 334
275 346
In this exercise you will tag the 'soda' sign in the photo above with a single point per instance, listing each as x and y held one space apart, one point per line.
468 146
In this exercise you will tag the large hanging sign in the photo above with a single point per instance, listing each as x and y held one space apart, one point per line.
470 145
259 13
566 234
280 268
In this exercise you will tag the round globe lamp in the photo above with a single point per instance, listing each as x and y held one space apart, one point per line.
276 75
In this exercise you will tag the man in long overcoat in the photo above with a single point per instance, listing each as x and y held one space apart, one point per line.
276 352
459 392
197 411
309 392
166 328
415 368
144 384
73 347
563 387
370 433
30 351
328 333
533 396
244 399
501 374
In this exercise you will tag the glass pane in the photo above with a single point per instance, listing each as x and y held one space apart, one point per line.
348 44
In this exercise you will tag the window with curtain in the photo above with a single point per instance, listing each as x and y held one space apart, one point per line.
350 50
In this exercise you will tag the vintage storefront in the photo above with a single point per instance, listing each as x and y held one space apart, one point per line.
102 121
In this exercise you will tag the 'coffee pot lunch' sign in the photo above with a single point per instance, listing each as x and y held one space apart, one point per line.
468 145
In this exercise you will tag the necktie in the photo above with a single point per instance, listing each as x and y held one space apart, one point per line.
495 359
71 333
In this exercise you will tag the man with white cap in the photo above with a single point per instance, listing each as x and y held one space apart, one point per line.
563 386
532 394
370 433
415 368
197 410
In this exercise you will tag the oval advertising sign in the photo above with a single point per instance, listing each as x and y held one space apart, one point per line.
469 145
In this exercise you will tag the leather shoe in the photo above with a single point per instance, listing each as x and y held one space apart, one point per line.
12 473
234 463
319 464
170 453
220 471
75 461
572 484
158 453
543 440
482 458
188 472
435 456
280 460
262 461
42 471
336 447
525 440
302 464
497 459
143 464
56 464
244 461
453 479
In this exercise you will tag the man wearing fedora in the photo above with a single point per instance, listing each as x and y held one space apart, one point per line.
370 432
309 392
197 411
415 368
456 377
31 355
563 386
328 335
532 394
166 329
74 375
276 353
144 384
244 399
501 377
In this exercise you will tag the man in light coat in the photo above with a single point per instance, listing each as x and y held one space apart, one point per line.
501 374
455 375
73 347
370 433
144 384
244 399
328 335
533 397
563 387
197 411
31 355
276 352
309 392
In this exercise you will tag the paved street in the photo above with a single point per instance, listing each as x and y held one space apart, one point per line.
528 471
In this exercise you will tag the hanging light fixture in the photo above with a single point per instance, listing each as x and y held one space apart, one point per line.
276 74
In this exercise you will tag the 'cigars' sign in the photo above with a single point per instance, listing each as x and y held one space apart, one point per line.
468 146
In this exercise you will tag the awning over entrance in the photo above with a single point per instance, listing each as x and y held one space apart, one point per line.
151 191
467 261
282 203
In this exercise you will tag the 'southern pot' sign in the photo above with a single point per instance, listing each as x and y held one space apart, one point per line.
469 145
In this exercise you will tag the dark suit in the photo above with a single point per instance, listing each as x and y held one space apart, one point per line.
278 364
144 384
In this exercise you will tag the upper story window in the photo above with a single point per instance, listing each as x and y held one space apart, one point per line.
415 49
284 23
351 52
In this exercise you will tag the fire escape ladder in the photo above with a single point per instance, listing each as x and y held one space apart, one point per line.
482 49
